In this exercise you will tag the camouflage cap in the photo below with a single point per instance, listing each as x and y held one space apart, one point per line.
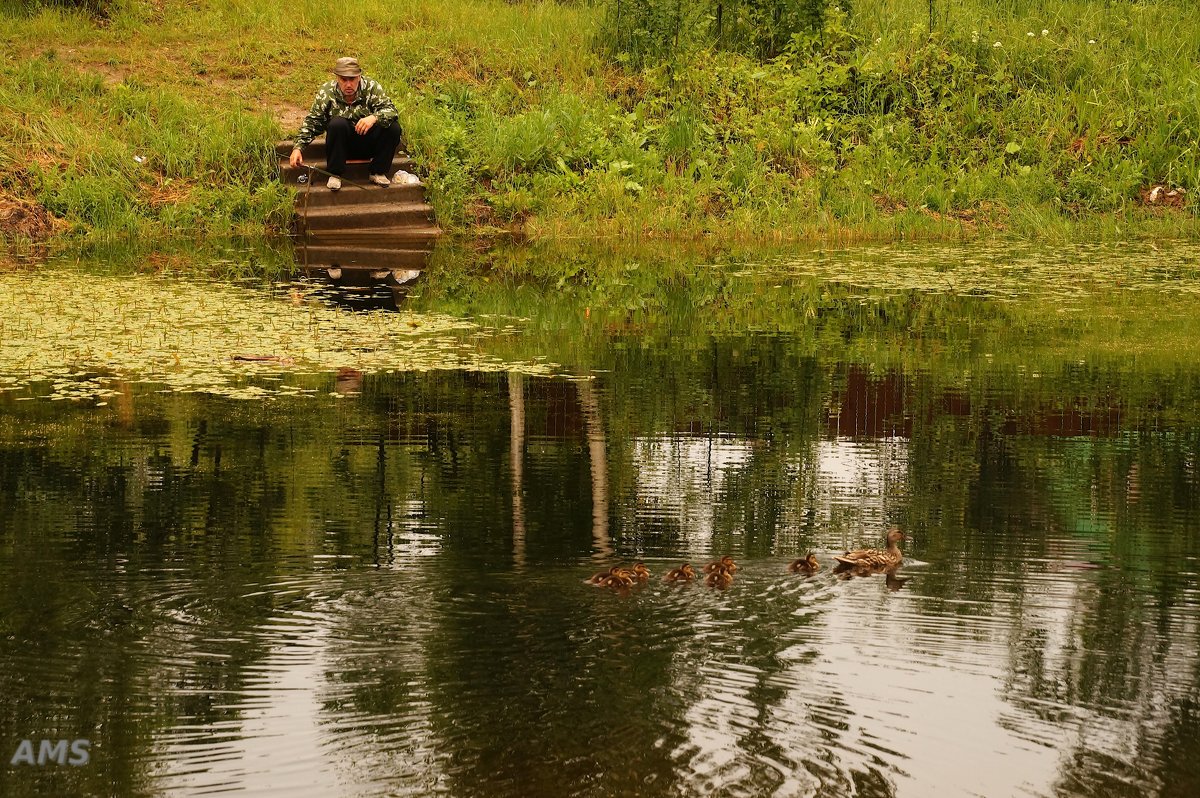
347 67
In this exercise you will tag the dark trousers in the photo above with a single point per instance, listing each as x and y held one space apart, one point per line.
379 144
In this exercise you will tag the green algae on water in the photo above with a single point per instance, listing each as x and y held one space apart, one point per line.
69 335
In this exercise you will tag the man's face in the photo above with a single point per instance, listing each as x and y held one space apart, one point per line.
348 86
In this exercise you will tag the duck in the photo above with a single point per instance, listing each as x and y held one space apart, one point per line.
726 563
874 559
805 565
640 572
684 573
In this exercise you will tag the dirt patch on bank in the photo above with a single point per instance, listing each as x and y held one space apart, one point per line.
1162 196
24 219
288 116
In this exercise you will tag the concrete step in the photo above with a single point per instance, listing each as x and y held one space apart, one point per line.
362 258
355 170
316 195
315 149
375 215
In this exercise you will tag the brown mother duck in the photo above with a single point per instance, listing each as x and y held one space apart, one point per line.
805 565
874 559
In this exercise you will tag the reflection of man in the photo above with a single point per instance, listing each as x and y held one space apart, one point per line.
358 120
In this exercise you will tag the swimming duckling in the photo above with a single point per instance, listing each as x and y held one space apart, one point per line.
620 579
719 577
599 578
640 572
684 573
726 563
874 559
805 565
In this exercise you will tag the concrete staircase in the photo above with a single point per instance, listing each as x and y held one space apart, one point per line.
363 234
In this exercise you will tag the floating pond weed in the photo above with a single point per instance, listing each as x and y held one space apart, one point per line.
68 334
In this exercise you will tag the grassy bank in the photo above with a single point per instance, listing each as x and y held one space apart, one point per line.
1029 118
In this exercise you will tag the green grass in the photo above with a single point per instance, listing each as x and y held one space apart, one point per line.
159 122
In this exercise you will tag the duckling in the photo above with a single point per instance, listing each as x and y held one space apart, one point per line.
719 577
805 565
726 563
599 578
640 572
620 579
874 559
684 573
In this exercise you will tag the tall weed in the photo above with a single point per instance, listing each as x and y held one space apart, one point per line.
644 31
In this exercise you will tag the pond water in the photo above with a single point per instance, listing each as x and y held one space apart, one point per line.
255 540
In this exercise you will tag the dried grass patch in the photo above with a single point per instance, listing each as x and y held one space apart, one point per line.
23 219
167 194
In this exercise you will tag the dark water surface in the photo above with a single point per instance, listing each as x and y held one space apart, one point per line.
376 587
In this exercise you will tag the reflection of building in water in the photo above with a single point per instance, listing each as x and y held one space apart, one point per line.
883 406
870 406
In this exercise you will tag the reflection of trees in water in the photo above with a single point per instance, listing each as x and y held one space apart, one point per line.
1179 748
132 550
598 466
238 495
712 441
996 494
1082 539
516 458
230 495
1119 687
993 495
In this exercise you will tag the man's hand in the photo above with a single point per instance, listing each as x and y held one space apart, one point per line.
366 123
296 159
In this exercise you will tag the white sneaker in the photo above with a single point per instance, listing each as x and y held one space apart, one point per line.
403 178
334 183
380 180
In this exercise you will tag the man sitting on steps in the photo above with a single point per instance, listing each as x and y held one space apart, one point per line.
358 120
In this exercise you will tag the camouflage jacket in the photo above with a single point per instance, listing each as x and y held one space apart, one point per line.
371 99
